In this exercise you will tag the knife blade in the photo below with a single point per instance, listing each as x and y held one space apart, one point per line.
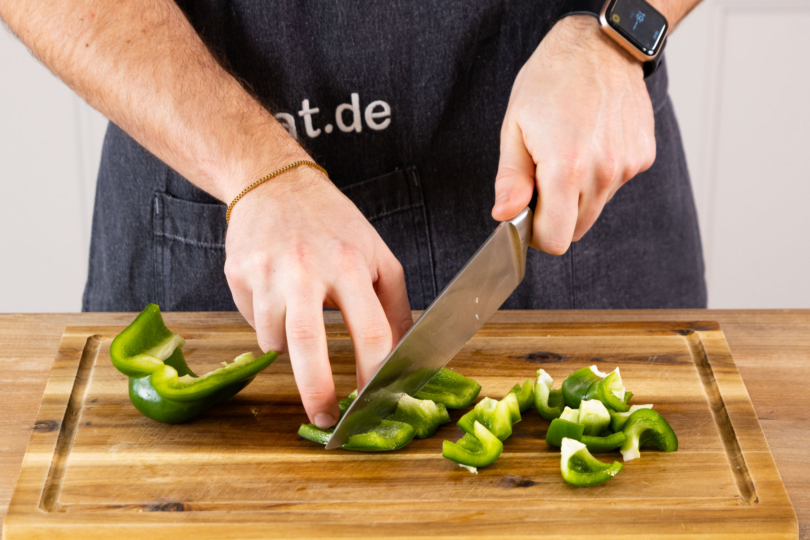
462 308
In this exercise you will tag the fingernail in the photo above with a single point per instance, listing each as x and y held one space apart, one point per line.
324 421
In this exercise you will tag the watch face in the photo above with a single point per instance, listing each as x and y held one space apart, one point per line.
639 23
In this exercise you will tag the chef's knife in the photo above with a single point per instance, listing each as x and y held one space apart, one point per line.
463 307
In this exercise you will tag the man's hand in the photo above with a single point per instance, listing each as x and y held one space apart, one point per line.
296 244
579 125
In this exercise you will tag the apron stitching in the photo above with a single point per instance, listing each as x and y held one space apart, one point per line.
190 242
415 178
392 212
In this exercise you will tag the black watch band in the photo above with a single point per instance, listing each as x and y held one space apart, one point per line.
594 8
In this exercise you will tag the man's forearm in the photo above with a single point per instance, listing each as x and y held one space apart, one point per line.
143 66
675 10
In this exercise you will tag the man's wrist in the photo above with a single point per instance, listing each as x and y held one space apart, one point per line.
584 32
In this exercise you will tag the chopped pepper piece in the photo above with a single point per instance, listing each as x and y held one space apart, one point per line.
477 449
560 429
600 445
619 419
580 468
496 416
453 390
647 428
385 436
594 416
161 385
609 391
318 435
548 402
525 395
575 387
590 383
423 414
570 415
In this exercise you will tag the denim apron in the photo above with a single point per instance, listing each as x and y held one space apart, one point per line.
402 102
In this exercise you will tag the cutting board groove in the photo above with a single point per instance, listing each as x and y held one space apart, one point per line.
97 468
748 492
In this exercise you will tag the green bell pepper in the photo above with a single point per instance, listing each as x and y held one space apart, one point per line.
525 395
561 429
576 385
453 390
422 417
548 402
594 416
590 383
580 468
619 419
161 385
647 428
496 416
600 445
423 414
570 415
318 435
385 436
610 391
477 449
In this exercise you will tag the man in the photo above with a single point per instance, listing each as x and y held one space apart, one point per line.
413 108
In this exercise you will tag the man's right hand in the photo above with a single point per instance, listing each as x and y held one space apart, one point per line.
295 244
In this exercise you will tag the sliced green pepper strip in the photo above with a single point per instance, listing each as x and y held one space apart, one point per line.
424 415
385 436
600 445
161 385
619 419
575 387
496 416
609 391
560 429
318 435
548 402
453 390
525 395
580 468
647 428
477 449
628 395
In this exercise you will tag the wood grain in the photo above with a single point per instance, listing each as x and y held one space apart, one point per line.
95 465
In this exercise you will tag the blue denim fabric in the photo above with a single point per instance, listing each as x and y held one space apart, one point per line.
425 181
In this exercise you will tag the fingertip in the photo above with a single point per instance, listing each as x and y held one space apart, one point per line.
324 420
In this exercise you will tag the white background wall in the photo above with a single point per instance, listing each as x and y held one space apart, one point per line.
739 77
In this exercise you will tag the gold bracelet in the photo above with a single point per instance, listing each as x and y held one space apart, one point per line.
264 179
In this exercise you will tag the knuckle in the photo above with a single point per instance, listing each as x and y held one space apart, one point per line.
302 331
262 263
374 333
607 173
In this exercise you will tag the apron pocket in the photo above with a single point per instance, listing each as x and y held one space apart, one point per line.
190 255
393 204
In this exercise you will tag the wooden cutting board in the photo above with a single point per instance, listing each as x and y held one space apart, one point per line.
96 468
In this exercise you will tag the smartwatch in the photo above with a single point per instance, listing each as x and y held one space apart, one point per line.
635 25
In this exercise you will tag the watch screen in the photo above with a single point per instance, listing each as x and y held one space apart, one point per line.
639 22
